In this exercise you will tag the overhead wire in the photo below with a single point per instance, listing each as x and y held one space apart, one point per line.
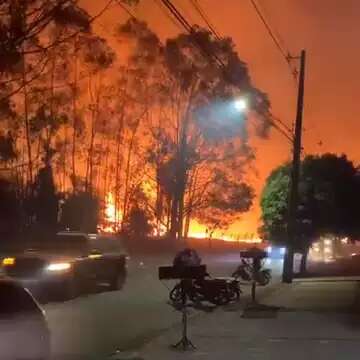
277 123
281 48
189 28
288 129
285 54
282 131
212 57
163 10
271 33
205 18
177 14
119 3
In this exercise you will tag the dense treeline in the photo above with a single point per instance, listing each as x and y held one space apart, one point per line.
150 126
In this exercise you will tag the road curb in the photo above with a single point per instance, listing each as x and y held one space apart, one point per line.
327 279
124 355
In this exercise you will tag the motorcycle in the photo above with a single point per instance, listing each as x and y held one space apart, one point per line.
218 291
245 272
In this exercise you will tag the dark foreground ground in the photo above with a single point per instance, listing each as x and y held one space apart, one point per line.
98 325
312 320
94 326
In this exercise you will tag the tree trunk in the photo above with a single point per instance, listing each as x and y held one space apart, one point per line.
89 180
168 214
52 110
181 215
27 125
118 167
65 157
106 167
75 124
127 170
174 217
159 207
187 224
181 184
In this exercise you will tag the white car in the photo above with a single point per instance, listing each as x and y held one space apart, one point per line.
24 333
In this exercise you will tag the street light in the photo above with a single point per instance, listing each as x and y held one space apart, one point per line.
240 104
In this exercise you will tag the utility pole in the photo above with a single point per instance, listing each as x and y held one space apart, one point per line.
295 175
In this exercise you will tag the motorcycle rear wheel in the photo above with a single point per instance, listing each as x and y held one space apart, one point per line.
222 298
234 294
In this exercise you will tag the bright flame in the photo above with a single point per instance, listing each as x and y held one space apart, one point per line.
112 217
159 230
199 231
110 210
220 236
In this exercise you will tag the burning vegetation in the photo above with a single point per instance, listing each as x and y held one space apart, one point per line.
142 134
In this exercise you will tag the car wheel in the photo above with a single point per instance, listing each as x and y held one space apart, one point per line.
117 282
68 290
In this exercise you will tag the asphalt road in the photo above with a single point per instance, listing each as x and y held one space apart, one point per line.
93 326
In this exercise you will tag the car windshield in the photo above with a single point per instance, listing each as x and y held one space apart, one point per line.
161 159
71 240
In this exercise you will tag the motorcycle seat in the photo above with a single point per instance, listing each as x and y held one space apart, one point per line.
224 278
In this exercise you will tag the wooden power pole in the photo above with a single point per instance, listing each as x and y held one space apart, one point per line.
295 175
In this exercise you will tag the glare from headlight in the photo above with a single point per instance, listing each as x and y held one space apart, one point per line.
58 267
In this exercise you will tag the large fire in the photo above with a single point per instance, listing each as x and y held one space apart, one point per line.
112 216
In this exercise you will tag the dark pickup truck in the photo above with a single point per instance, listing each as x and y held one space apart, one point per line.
69 264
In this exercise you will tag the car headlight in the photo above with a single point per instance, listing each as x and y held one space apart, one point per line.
58 266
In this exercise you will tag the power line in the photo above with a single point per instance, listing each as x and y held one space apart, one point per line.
119 3
282 131
186 25
288 129
161 7
268 28
206 19
176 13
277 123
285 54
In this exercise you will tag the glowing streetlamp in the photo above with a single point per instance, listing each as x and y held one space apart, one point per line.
240 104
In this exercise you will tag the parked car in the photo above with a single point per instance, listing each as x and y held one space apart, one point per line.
24 333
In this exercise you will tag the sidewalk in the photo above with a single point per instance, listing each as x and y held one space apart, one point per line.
315 320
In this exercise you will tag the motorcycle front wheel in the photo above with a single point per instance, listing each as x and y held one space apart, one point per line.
234 294
264 278
175 294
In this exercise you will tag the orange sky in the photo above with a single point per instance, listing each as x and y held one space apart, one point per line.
327 29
